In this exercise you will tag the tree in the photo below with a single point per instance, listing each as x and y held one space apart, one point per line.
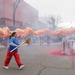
54 21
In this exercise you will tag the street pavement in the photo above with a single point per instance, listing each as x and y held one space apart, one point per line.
39 61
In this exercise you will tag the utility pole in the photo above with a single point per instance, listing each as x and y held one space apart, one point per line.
15 5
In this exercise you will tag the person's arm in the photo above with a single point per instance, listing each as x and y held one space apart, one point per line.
12 44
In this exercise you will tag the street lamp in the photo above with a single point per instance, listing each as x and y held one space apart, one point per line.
15 5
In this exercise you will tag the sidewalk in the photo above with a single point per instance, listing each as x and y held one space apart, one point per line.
1 46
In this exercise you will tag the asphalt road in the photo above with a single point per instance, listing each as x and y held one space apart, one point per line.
39 61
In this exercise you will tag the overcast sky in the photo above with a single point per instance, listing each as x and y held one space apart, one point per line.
63 8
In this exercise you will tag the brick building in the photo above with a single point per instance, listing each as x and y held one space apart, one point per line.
25 15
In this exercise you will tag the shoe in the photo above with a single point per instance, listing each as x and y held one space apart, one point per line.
6 67
22 66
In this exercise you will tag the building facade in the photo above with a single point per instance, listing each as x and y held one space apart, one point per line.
24 15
